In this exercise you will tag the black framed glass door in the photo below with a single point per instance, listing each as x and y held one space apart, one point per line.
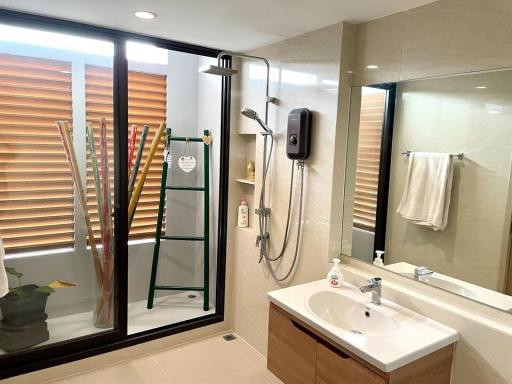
64 188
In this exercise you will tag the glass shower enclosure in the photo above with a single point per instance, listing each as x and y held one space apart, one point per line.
108 142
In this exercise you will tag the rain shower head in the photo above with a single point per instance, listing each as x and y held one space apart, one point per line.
251 114
218 70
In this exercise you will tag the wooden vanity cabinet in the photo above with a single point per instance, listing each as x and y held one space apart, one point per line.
298 354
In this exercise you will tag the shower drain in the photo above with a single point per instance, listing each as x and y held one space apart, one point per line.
192 296
229 337
356 332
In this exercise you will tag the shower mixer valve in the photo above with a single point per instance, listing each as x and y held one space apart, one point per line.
262 211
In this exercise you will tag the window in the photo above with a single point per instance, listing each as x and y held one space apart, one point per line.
373 102
36 191
147 104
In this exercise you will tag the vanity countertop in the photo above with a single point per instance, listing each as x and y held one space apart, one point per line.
388 336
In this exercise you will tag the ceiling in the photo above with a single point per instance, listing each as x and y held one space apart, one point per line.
237 25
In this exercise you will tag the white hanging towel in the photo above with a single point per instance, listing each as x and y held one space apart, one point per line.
428 186
4 284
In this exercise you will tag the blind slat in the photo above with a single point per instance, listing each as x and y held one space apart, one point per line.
147 104
368 160
36 191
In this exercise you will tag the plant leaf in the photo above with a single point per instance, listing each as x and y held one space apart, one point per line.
61 284
45 289
13 272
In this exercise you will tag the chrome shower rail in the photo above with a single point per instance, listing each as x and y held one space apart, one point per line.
458 156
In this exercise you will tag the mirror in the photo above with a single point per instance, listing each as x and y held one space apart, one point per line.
428 181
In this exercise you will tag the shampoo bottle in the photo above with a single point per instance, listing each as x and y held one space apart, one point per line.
335 277
243 214
378 262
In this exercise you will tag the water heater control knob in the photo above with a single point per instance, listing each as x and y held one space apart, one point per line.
292 140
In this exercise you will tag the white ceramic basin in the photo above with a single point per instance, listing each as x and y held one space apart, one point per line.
351 315
387 336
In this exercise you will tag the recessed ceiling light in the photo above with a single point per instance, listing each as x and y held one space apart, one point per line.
481 87
372 66
146 15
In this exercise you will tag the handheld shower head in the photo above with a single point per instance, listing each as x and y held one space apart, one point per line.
251 114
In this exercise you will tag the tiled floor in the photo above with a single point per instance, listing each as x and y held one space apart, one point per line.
208 361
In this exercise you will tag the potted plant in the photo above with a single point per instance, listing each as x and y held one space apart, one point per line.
24 313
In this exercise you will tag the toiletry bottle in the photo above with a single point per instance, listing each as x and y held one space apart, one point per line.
378 262
243 214
335 277
251 171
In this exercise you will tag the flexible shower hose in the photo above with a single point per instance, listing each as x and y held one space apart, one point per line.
264 236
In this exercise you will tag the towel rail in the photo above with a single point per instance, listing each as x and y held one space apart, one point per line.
458 156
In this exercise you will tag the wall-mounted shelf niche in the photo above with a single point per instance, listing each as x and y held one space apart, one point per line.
246 182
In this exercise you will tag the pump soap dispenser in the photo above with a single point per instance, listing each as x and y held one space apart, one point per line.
335 277
378 262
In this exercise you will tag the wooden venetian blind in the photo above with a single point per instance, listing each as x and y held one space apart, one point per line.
147 104
36 190
368 159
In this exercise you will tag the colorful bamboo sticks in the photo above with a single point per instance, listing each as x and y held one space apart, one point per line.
131 146
140 183
96 173
107 236
67 142
138 159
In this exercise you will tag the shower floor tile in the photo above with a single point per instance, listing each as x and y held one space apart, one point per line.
166 310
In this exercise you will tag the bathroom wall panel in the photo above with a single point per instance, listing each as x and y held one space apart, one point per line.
379 43
304 73
441 38
455 36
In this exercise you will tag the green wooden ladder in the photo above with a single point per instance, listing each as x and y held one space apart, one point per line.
206 234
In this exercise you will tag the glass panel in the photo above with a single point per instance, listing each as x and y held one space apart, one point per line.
55 280
449 210
167 90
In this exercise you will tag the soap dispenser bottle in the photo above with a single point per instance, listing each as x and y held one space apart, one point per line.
243 214
335 277
378 262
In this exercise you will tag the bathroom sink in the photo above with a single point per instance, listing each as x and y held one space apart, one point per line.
351 315
388 336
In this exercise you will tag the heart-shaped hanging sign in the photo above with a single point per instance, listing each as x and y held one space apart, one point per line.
187 163
207 140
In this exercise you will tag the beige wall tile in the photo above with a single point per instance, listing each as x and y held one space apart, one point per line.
457 36
305 74
379 43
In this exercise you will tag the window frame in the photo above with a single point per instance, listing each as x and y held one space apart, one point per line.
385 166
74 349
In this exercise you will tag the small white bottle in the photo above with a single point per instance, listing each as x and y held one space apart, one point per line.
243 214
378 262
335 277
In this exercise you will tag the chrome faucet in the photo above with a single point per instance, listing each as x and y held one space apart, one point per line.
374 286
422 273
